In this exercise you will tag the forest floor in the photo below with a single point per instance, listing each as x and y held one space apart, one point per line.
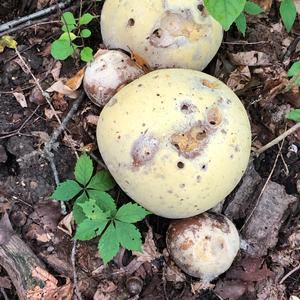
265 206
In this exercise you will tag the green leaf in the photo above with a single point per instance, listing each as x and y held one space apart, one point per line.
295 72
84 169
77 211
294 115
92 210
102 181
288 13
86 19
108 244
103 200
225 11
252 8
67 36
88 229
86 54
131 213
69 21
241 23
85 33
61 49
129 236
66 190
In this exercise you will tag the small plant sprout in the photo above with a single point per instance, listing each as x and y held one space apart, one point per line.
95 211
73 30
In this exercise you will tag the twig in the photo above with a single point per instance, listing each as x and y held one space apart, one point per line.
289 274
10 25
278 139
45 94
264 187
97 160
75 280
4 294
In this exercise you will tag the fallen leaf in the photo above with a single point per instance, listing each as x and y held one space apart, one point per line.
239 78
56 70
67 224
149 249
21 99
231 289
7 41
37 97
268 290
35 232
250 58
106 290
92 119
49 113
199 286
75 82
250 269
264 4
43 137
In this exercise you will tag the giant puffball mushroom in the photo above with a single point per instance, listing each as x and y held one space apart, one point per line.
203 246
176 141
109 71
165 33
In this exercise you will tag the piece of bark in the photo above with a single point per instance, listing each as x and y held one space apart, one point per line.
25 270
245 195
261 229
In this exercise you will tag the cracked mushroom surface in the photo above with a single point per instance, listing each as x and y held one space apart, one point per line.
176 141
203 246
165 33
109 71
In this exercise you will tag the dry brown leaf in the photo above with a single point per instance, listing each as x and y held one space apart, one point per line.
36 96
21 99
43 137
68 87
231 289
250 58
199 286
67 224
106 290
149 249
265 4
49 113
70 142
239 78
35 232
92 119
41 4
56 70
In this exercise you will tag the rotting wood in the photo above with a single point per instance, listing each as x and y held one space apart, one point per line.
25 270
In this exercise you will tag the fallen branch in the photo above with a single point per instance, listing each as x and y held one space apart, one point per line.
278 139
10 25
26 271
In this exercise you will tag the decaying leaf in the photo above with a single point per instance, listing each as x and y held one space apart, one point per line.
49 113
231 289
67 224
250 58
264 4
106 290
68 87
239 78
21 99
56 70
199 286
7 41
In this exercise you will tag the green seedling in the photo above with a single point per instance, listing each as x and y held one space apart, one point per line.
96 213
73 31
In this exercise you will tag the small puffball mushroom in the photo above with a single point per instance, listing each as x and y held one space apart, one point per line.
109 70
166 34
176 141
203 246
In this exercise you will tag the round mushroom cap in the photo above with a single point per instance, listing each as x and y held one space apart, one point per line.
176 141
166 34
109 70
203 246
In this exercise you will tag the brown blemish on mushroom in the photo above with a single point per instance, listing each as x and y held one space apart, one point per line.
187 108
186 245
209 84
190 143
214 116
144 149
131 22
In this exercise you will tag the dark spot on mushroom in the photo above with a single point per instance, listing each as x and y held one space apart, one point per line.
144 149
158 95
198 178
131 22
200 7
180 165
182 185
207 237
231 156
204 167
140 85
143 124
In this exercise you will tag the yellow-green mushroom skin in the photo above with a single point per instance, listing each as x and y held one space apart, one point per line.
165 33
176 141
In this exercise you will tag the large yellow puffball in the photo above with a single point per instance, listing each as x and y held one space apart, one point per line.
165 33
176 141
